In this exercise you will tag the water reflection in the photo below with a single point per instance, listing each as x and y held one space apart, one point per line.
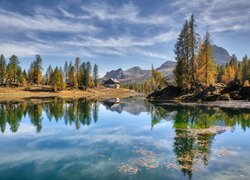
77 112
195 128
199 117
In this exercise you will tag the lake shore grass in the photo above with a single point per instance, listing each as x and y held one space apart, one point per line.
19 93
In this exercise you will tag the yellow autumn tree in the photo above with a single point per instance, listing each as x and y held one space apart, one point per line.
159 78
157 81
229 74
206 69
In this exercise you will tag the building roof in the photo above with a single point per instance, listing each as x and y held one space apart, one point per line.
112 81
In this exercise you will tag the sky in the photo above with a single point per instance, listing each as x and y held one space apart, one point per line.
116 33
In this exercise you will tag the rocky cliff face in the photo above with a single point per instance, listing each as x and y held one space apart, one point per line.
221 55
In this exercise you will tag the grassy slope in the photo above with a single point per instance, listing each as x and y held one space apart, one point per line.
100 93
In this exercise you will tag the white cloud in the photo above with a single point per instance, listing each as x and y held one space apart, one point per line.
23 49
40 22
127 13
122 41
217 15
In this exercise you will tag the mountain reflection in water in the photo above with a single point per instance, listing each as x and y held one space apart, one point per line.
194 128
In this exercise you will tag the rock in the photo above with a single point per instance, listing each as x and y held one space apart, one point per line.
168 93
234 85
224 97
245 92
201 92
235 95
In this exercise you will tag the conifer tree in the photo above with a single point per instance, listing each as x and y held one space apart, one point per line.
181 69
77 70
83 70
192 41
57 80
87 74
12 69
220 72
72 77
244 69
2 69
95 75
25 75
66 71
229 74
36 69
206 71
20 78
48 75
159 79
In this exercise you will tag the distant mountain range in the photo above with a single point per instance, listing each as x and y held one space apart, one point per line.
138 75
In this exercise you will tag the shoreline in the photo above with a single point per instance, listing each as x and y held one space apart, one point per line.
15 94
19 94
232 104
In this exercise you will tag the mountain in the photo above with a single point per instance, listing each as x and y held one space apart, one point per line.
221 55
167 69
138 75
132 106
166 65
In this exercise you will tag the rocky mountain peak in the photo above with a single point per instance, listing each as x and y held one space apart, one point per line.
167 64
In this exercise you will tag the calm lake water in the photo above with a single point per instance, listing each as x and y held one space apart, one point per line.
132 139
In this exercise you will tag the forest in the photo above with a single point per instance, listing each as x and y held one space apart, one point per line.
77 75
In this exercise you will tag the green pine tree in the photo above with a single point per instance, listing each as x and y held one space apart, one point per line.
2 69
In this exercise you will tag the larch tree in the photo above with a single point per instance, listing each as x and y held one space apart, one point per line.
206 71
229 74
159 79
57 80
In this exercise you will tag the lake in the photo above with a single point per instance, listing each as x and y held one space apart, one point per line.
122 139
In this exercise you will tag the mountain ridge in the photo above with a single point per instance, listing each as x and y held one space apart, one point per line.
137 75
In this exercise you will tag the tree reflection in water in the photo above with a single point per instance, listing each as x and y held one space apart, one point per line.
195 129
77 112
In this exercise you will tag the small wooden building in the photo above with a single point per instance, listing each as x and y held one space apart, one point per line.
112 83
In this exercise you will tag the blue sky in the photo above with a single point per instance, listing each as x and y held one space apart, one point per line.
116 34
